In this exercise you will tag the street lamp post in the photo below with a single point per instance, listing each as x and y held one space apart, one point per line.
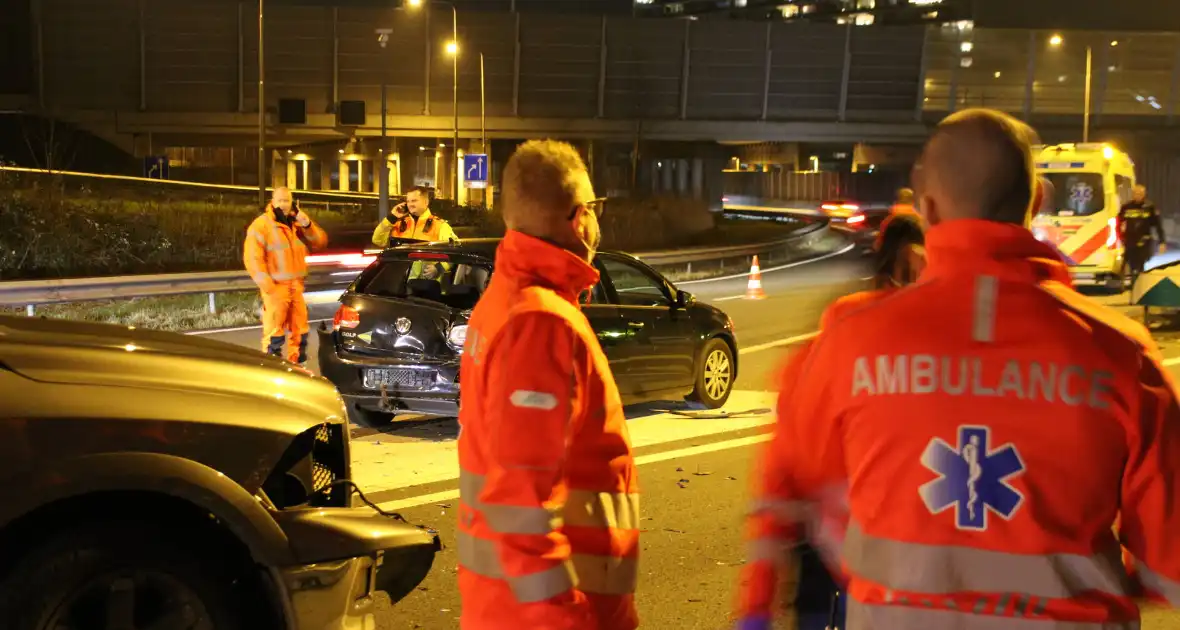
453 50
383 170
261 113
1089 75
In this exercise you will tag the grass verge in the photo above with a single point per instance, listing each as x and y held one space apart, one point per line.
175 313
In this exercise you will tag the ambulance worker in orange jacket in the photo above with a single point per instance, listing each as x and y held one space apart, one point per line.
962 448
548 533
275 254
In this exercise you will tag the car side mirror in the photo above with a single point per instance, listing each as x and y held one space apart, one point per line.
684 299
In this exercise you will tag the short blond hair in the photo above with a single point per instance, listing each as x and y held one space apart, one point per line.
541 178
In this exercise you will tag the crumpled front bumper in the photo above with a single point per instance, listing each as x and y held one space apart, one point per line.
345 556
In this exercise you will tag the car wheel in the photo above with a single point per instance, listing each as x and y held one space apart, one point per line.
129 574
715 372
368 418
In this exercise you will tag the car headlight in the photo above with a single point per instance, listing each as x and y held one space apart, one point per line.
457 337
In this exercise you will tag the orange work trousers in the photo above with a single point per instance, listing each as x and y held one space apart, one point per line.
284 318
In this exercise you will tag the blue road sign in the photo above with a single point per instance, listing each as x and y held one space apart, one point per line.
475 170
155 167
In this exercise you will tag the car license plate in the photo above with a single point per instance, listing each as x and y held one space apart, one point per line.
398 378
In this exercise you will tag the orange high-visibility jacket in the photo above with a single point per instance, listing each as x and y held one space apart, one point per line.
277 252
548 531
964 445
424 228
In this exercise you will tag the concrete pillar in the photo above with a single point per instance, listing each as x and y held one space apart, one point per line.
342 165
325 173
682 167
306 166
667 184
291 174
698 178
407 163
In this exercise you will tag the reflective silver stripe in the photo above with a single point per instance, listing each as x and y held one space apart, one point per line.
891 617
617 510
768 549
984 325
258 237
286 276
507 519
782 510
606 575
934 569
274 247
538 587
1169 589
261 276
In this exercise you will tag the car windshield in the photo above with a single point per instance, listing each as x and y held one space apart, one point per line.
1075 194
437 279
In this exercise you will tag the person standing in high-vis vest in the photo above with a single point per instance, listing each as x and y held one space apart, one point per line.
413 219
548 533
961 449
275 254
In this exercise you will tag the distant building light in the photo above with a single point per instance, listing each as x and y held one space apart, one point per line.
643 1
1061 78
966 46
739 3
808 8
1114 42
933 15
863 19
1112 68
866 4
966 62
1055 40
925 2
998 74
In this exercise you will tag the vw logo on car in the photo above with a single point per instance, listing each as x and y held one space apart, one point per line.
402 325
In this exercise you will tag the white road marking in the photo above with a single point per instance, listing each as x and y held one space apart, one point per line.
241 328
731 297
1171 362
797 263
449 495
776 344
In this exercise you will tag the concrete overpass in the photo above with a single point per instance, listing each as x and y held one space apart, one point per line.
181 77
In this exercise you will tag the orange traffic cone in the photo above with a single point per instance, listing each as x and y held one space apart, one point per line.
754 288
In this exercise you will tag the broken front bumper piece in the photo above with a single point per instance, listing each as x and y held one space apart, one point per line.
345 556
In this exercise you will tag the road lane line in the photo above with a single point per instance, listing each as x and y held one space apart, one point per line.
731 297
1171 362
255 327
776 344
847 249
450 495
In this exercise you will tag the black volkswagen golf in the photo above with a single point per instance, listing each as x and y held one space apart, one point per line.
395 342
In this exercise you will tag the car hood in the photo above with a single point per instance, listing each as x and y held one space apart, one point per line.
58 351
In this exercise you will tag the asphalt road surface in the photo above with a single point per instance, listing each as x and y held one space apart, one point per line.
695 472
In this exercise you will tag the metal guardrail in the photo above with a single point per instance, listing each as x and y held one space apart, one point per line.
32 293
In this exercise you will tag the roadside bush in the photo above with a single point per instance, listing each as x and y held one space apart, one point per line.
45 233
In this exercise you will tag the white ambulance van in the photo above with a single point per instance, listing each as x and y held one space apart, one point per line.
1090 183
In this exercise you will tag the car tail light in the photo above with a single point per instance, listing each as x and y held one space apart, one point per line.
1112 234
346 317
856 218
830 207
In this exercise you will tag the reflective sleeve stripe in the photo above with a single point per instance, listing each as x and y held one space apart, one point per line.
605 575
507 519
286 276
275 246
947 569
769 549
782 510
479 556
1166 588
261 277
615 510
258 237
877 617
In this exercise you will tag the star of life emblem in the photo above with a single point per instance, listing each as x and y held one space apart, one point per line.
972 478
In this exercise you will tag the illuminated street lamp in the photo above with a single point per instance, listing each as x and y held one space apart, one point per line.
452 49
1055 40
